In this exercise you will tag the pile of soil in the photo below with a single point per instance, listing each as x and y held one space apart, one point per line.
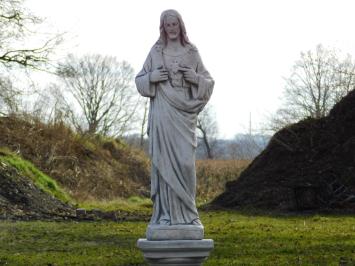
307 165
21 199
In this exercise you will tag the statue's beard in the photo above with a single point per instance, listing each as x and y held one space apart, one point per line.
173 35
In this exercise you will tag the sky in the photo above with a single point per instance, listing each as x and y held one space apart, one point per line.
249 47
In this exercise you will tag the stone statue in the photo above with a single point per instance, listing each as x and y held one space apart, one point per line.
179 86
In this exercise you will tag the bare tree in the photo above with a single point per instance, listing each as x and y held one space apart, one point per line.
144 122
8 96
318 80
102 87
345 76
51 106
208 130
17 31
16 26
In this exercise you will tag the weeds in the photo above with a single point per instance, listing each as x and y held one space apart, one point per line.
88 167
40 179
212 176
131 205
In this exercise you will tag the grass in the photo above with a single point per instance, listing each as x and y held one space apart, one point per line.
135 207
212 176
70 243
240 239
293 240
41 180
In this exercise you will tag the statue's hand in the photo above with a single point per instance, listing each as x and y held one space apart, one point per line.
158 75
189 75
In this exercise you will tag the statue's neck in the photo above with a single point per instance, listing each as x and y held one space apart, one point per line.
174 47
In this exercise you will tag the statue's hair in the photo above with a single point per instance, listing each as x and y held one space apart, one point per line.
163 36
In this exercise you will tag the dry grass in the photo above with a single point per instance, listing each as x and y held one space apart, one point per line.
99 168
212 176
87 167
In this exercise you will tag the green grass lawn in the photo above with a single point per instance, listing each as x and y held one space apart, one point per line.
240 239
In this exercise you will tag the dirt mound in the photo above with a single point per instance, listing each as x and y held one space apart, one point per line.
87 167
307 165
21 199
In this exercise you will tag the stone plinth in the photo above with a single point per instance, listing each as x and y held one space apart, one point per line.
175 252
174 232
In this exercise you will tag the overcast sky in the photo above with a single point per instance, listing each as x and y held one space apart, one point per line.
247 46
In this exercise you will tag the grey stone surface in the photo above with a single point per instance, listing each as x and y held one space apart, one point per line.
175 232
179 86
175 252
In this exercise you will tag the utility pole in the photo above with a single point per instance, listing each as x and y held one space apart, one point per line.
249 123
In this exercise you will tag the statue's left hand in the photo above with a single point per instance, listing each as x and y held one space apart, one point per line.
189 75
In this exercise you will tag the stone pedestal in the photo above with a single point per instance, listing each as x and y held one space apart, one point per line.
175 232
175 252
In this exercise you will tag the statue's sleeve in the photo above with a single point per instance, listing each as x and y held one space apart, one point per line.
144 86
203 90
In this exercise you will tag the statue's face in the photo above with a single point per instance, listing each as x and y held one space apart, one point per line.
172 27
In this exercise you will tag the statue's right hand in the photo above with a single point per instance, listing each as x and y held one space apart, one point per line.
158 75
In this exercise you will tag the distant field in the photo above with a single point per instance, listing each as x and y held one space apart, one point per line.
212 176
240 239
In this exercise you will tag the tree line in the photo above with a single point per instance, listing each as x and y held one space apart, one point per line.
95 94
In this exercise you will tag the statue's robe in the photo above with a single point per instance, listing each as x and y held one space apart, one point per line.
172 136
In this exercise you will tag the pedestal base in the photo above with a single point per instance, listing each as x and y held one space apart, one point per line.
175 252
175 232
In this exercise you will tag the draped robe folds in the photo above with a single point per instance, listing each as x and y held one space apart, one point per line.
172 137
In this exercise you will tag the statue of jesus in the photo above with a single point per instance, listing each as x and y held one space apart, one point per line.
179 86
